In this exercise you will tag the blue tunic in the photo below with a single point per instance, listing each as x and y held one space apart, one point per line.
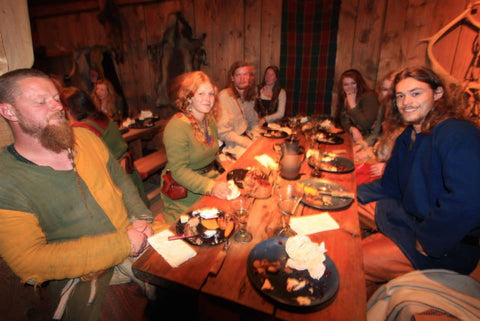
430 191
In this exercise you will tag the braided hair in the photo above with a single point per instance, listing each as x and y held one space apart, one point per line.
182 90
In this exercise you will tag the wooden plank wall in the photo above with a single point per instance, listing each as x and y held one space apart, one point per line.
377 36
236 30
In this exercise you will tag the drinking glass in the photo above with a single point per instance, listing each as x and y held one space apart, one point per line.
292 122
289 196
240 207
315 162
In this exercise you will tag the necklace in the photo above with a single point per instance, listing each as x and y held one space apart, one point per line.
207 134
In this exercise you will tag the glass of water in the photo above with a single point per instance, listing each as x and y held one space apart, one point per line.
240 207
289 196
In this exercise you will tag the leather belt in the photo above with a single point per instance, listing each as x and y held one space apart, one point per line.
206 169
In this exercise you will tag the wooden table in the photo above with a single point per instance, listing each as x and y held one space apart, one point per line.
230 282
135 136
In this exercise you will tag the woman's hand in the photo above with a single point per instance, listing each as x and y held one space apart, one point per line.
351 96
361 156
221 190
261 121
358 147
356 135
377 169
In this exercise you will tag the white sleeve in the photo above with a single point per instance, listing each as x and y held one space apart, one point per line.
225 123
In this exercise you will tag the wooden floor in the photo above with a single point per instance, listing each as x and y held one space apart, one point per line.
124 302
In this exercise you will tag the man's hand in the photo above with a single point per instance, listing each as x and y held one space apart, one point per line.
143 226
221 190
377 169
419 248
138 241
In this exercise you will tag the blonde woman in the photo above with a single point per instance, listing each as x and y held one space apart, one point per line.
191 143
107 100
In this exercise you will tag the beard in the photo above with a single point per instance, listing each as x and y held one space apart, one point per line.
56 137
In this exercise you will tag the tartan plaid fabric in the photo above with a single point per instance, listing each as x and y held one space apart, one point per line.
307 58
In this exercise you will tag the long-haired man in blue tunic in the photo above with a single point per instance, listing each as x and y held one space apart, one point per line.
428 200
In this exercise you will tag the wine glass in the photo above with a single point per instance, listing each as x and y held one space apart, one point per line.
240 207
289 196
315 160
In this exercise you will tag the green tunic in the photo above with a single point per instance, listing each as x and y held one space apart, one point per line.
55 225
186 155
363 116
111 136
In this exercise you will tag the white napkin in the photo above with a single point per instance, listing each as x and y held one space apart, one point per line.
235 191
305 255
276 126
174 252
305 225
266 161
236 150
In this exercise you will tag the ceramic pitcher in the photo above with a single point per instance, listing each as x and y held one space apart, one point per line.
291 161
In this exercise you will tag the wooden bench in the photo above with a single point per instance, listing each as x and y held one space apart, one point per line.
151 163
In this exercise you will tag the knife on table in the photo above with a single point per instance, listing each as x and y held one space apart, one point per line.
218 261
339 194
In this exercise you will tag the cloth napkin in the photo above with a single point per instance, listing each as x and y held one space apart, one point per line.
362 173
174 252
305 225
266 161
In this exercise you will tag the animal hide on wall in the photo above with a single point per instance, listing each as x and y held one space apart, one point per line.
180 51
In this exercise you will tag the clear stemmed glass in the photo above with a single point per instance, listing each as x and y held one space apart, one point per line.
240 207
289 196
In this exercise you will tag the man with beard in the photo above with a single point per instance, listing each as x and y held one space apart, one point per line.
237 109
68 212
428 209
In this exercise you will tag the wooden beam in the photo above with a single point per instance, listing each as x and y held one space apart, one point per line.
47 10
63 8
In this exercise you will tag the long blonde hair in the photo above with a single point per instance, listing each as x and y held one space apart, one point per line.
181 92
108 107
